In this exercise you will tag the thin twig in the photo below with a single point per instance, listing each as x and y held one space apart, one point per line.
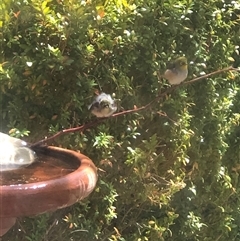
209 75
98 121
49 229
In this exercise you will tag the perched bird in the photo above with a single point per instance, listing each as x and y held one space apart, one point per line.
177 71
103 106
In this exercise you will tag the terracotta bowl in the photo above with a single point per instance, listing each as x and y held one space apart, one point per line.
45 188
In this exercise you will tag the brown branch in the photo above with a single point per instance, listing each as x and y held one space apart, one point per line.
160 95
70 130
209 75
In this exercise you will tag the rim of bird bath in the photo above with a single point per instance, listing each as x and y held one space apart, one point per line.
39 197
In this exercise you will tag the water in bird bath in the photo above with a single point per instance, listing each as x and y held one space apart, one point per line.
20 164
43 169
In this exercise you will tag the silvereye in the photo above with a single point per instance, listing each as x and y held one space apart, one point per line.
177 71
103 106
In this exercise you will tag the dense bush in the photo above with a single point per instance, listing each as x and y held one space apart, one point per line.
170 172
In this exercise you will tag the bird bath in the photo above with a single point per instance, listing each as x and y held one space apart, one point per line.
56 179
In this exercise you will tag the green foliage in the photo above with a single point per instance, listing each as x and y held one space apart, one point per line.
170 172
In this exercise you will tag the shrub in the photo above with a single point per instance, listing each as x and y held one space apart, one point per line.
169 172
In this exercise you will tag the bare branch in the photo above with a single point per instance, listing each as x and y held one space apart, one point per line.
98 121
209 75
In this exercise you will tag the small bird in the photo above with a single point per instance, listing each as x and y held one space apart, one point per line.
177 71
103 106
